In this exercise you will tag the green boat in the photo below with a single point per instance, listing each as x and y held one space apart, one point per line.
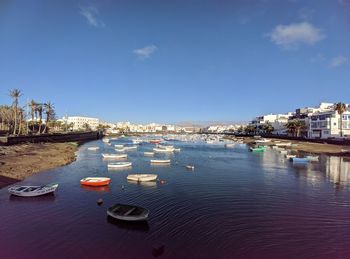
257 149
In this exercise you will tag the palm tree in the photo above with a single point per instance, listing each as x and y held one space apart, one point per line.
49 110
15 94
33 105
299 125
291 127
40 110
340 108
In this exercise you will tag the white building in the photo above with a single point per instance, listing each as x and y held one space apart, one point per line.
278 121
80 122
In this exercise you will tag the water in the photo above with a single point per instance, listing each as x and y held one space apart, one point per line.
234 204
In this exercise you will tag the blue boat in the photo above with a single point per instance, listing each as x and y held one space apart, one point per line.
299 160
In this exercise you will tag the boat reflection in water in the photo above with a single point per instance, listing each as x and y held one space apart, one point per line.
37 199
338 170
141 226
96 189
145 184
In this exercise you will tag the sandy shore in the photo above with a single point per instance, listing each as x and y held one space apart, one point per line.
309 147
20 161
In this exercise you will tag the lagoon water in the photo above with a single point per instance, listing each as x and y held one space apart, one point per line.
234 204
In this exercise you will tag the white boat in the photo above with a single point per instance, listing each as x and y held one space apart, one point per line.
119 165
263 140
283 152
290 156
130 147
229 145
114 156
165 147
93 148
128 212
163 150
148 153
177 149
142 177
284 144
119 145
105 140
120 149
137 141
312 158
160 161
32 191
190 167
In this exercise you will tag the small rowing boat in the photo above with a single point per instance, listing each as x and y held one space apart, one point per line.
191 167
119 146
32 191
148 153
128 212
142 177
160 161
312 158
95 181
119 165
163 150
114 156
299 160
93 148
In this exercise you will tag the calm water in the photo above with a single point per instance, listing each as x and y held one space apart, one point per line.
234 204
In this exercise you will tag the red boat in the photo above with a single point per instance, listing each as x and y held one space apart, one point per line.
95 181
155 141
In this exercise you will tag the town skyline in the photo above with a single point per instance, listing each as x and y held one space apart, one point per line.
209 62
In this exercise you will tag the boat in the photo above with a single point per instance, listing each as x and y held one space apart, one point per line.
119 165
290 156
114 156
312 158
137 141
299 160
142 177
95 181
229 145
128 212
165 147
120 150
257 149
130 147
284 144
191 167
163 150
148 153
105 140
93 148
32 191
160 161
177 149
119 145
283 152
264 140
155 141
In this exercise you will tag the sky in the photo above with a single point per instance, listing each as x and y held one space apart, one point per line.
171 61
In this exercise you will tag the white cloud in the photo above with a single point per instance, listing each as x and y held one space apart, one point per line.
91 14
338 61
292 35
145 52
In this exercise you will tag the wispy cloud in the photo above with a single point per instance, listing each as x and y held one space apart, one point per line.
145 52
293 35
91 14
338 61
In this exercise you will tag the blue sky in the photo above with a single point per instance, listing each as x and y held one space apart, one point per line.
170 61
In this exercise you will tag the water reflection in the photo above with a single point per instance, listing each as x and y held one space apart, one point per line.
337 170
96 189
43 198
141 226
146 184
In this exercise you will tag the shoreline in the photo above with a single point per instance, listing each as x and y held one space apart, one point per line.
23 160
307 147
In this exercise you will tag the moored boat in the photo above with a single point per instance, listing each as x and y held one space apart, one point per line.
32 191
155 141
257 149
119 145
299 160
119 165
148 153
163 150
128 212
142 177
160 161
290 156
114 156
93 148
312 158
95 181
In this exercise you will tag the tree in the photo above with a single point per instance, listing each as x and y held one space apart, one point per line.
268 128
49 111
291 127
340 108
15 94
40 110
33 109
295 127
87 127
